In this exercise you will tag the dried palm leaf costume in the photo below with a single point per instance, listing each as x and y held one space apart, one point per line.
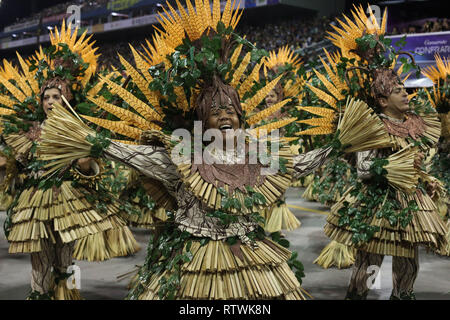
50 212
439 99
211 246
387 212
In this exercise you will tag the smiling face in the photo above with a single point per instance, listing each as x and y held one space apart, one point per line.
396 104
49 97
223 118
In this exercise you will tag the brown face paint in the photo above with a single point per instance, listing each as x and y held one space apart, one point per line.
220 94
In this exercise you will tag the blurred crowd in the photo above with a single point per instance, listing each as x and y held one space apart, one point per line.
109 52
86 5
305 36
436 25
297 33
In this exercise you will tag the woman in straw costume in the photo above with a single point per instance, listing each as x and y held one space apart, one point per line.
50 213
211 246
388 211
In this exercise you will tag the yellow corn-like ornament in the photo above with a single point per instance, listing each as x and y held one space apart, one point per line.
317 131
115 126
271 126
267 112
252 102
325 97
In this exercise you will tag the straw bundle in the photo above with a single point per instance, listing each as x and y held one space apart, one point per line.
121 242
91 248
433 125
280 218
361 129
63 139
337 255
62 292
401 171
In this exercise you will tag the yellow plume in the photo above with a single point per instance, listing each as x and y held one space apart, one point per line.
252 102
267 112
330 100
114 126
146 111
267 128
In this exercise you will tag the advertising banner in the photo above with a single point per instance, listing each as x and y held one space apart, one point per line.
21 26
25 42
97 28
121 24
425 45
144 20
259 3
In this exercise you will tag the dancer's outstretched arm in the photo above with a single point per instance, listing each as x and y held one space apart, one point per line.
152 161
306 163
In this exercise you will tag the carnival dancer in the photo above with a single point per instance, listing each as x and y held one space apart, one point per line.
212 246
387 212
50 212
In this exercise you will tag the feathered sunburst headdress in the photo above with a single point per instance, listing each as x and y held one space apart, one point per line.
362 54
70 56
283 61
68 64
439 96
439 73
193 48
346 37
284 56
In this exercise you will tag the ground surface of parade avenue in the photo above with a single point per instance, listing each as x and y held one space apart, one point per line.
99 279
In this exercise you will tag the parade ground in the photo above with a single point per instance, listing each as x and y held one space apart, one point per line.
99 280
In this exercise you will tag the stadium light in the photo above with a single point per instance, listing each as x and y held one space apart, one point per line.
116 14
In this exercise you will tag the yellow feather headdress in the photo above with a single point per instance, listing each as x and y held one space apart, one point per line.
344 36
80 46
26 81
283 56
439 75
192 23
440 72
